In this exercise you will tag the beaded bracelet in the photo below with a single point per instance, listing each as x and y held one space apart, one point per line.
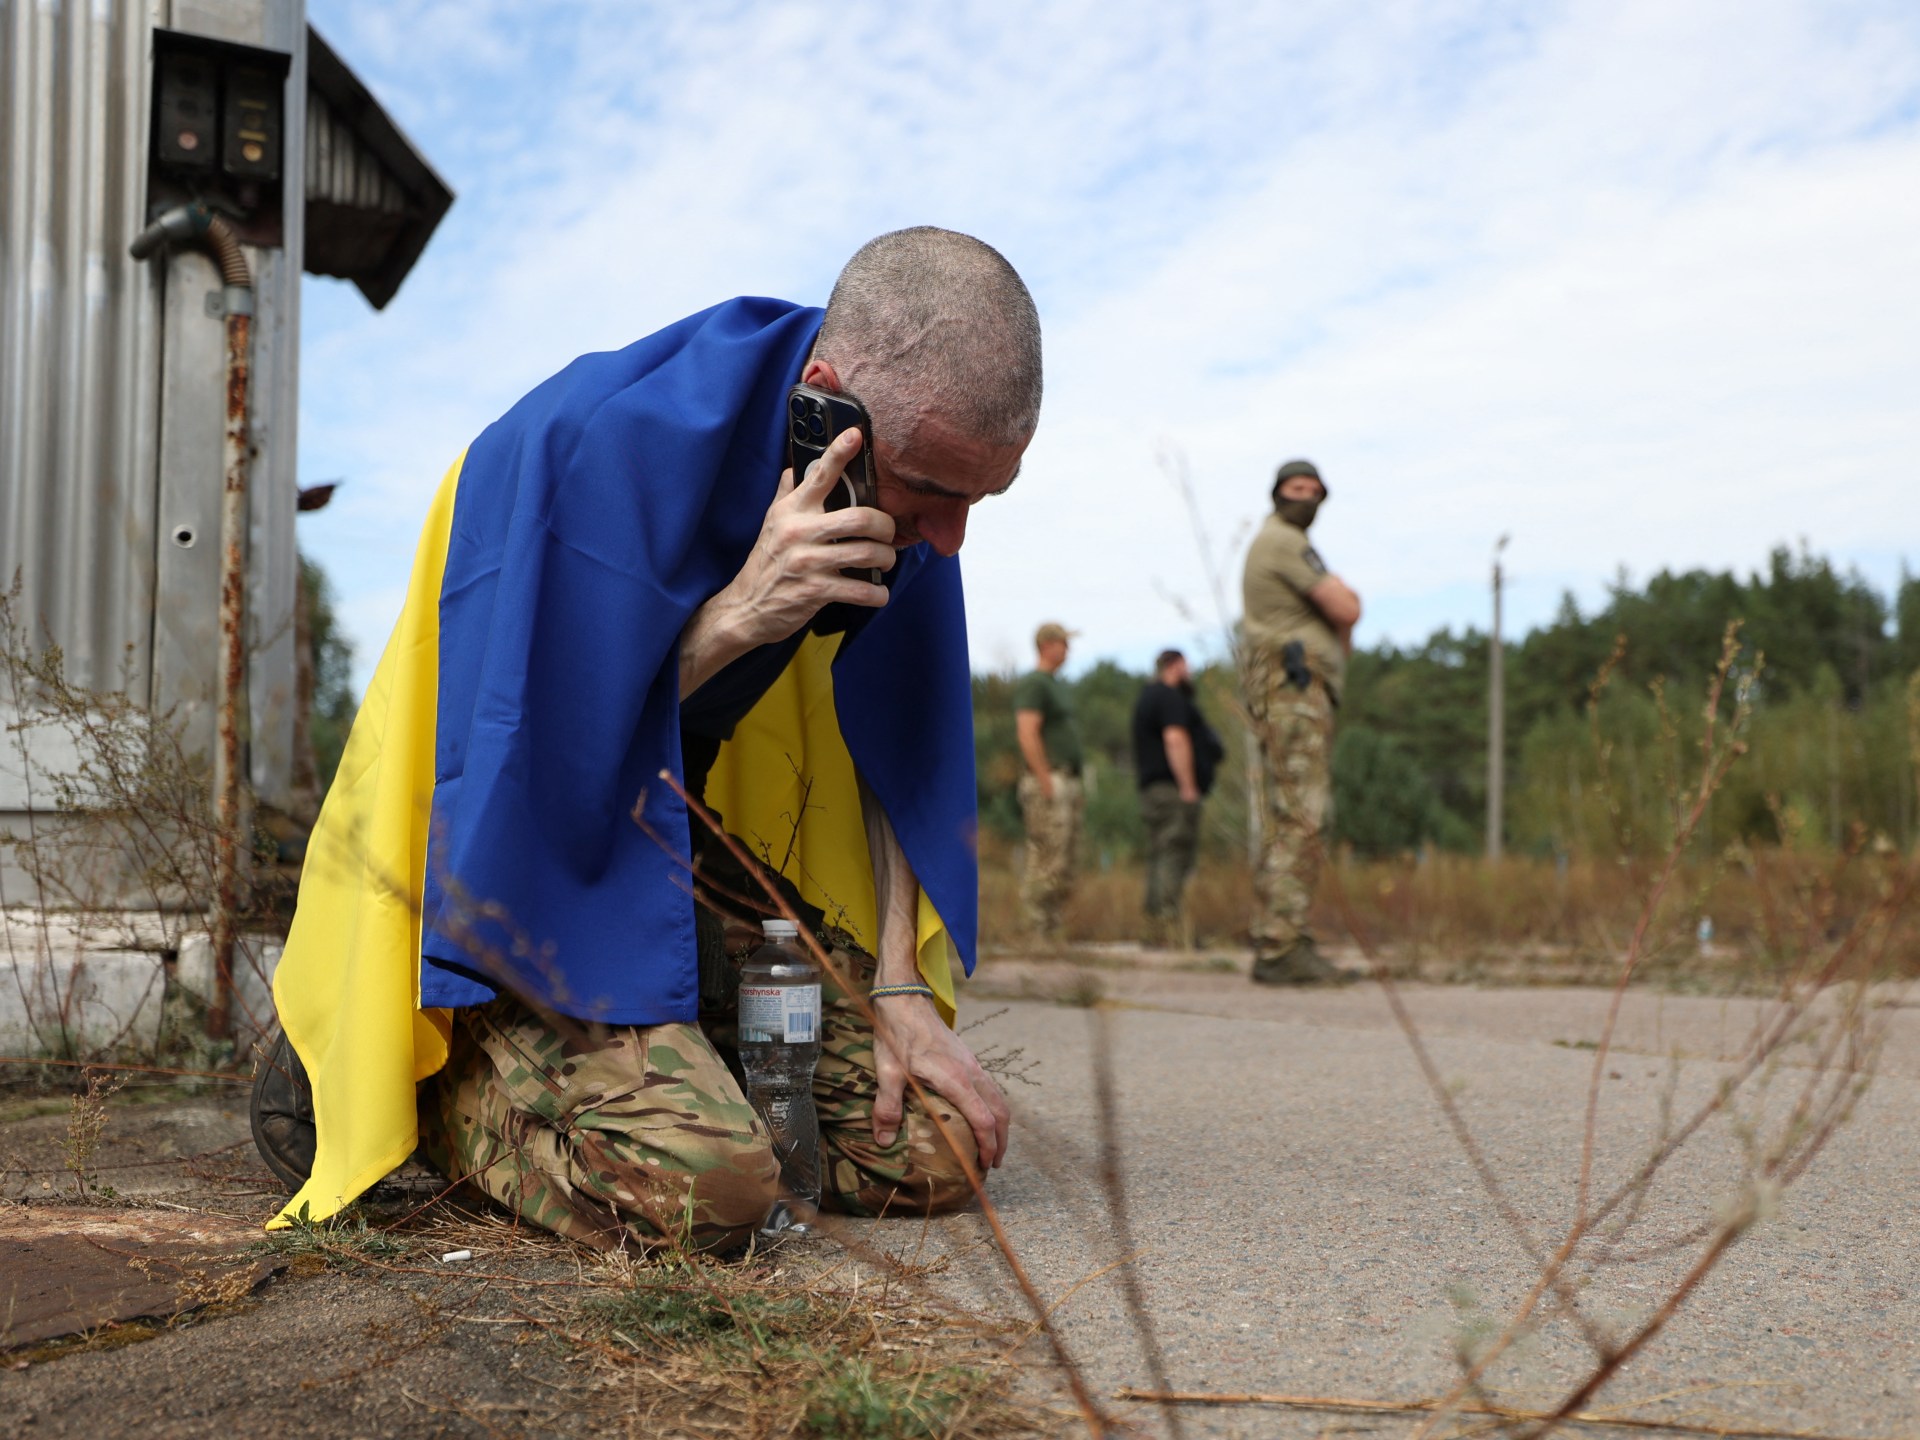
882 992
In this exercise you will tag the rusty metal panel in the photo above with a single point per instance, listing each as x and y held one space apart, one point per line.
79 332
69 1270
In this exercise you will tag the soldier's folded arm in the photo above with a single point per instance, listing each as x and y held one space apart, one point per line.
1338 605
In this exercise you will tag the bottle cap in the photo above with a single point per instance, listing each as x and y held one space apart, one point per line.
780 929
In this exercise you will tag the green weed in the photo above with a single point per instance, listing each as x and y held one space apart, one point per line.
854 1399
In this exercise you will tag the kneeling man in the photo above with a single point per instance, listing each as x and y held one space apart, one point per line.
507 909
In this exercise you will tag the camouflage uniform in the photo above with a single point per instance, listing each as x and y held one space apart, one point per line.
642 1135
1295 731
601 1135
1292 716
1053 839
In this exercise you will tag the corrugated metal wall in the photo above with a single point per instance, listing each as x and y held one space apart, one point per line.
341 169
112 379
79 332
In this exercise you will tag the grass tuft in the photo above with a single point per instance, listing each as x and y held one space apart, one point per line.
799 1349
679 1305
854 1399
340 1242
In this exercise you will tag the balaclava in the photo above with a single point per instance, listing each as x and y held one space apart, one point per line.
1296 512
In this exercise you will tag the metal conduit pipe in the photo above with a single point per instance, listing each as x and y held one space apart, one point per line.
197 225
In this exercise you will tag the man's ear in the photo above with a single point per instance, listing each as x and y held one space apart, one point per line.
821 374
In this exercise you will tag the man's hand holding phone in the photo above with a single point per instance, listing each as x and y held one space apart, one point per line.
795 568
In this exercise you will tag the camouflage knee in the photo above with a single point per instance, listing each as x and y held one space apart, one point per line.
625 1136
920 1173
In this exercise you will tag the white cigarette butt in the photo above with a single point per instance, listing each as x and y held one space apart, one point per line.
453 1255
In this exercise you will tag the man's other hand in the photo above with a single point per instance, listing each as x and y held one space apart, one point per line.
910 1038
794 570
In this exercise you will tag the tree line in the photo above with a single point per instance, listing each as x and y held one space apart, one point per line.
1825 664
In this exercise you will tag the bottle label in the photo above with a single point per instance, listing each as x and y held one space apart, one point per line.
779 1014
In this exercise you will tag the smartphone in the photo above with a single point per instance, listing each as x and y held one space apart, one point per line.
814 417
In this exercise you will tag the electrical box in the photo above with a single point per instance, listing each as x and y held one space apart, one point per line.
186 114
251 120
219 131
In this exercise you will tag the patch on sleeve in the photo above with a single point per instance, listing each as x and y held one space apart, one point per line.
1314 562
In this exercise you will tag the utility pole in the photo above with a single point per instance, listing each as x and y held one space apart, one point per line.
1496 721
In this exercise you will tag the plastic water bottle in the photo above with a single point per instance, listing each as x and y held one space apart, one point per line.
779 1043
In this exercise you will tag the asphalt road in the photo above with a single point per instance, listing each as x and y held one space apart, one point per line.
1302 1222
1307 1225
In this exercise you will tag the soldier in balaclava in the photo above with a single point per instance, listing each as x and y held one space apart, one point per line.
1298 633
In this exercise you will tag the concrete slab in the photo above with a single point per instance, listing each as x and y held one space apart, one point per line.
255 960
94 986
81 1002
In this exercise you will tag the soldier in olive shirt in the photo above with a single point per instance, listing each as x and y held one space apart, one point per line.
1050 795
1298 633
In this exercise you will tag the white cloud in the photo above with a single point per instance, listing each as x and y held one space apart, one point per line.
1634 281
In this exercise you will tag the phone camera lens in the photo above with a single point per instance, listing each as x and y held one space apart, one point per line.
799 428
817 423
797 406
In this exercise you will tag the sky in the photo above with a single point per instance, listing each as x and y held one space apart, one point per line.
1636 283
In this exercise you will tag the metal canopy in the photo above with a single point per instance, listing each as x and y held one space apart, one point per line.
372 199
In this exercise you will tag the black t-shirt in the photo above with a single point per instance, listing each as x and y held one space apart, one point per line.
1162 705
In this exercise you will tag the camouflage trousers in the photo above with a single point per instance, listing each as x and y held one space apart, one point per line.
1053 840
641 1135
1173 838
1295 730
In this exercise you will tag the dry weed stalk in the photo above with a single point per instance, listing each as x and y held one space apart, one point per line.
86 1122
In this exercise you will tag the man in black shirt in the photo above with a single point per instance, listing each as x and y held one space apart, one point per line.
1175 753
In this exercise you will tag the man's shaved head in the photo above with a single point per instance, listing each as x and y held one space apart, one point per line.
929 321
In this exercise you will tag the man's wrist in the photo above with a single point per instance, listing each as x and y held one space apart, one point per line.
902 968
907 988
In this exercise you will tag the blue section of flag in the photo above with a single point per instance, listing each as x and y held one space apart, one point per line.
590 522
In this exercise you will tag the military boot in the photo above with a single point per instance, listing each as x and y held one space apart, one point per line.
281 1113
1301 963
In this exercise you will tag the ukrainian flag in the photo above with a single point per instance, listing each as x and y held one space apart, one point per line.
482 831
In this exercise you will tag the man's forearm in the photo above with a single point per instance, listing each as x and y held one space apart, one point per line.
710 642
1180 759
1033 748
897 891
